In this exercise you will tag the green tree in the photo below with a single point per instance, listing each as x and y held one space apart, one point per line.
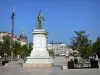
89 50
51 52
29 49
96 45
24 51
81 43
6 45
16 48
1 51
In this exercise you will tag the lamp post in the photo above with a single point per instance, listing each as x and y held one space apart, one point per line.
12 17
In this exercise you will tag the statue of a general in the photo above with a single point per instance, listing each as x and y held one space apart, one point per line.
40 20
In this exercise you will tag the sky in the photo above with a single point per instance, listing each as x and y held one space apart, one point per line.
62 17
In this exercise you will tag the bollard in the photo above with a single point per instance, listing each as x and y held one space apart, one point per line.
65 67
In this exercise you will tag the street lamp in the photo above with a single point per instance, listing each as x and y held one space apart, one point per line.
12 17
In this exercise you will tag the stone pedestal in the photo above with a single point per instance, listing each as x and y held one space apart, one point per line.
39 56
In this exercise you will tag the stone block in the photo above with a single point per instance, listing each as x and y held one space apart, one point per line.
65 67
37 65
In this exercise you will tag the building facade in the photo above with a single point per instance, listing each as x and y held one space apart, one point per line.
22 39
59 48
7 33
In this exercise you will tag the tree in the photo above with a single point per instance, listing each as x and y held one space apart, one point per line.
1 51
17 48
51 52
6 45
81 43
29 49
96 45
24 51
89 50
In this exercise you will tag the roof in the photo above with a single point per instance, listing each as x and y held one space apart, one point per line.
56 42
22 35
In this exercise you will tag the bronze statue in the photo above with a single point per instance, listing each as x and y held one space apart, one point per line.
40 20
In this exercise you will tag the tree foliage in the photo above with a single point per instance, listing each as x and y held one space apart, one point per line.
16 48
1 47
51 52
24 50
96 45
6 45
81 43
29 49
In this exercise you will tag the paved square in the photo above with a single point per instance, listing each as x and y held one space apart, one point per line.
15 68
